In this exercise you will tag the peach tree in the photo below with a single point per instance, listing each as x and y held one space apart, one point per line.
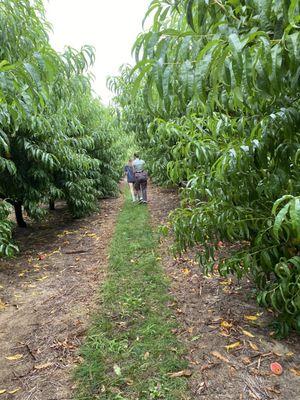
54 140
220 80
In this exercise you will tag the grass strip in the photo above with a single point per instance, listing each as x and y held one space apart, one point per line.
130 349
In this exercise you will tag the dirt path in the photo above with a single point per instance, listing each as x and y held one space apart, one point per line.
212 312
46 297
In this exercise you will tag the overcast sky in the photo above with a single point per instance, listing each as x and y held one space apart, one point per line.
111 26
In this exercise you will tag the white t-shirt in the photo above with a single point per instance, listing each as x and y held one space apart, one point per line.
138 165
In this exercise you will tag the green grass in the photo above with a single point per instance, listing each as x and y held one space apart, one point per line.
130 348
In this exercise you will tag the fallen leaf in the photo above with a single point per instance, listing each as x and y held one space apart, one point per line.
117 370
289 354
14 357
41 256
146 355
2 305
226 324
201 387
91 235
233 346
253 346
184 372
250 317
226 282
54 252
226 290
295 371
103 389
232 370
249 334
246 360
219 356
14 391
43 366
65 232
216 319
225 333
186 271
276 368
43 278
207 366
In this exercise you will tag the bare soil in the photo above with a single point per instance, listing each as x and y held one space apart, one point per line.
212 313
47 295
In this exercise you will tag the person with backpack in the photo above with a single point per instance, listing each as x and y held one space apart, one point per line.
141 179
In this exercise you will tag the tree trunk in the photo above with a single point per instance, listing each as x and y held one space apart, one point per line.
19 216
51 204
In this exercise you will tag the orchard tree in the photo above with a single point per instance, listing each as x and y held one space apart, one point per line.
51 123
221 82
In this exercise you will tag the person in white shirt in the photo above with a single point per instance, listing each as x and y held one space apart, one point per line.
138 164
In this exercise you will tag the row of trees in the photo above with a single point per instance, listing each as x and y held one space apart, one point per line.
56 139
214 97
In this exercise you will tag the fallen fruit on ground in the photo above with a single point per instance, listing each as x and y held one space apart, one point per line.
276 368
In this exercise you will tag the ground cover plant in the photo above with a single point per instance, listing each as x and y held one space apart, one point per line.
56 140
130 351
219 83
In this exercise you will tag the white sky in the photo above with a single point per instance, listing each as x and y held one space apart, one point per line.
111 26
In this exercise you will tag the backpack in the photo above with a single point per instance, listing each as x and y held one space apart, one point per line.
141 177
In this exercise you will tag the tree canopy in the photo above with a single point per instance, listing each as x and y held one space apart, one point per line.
218 83
56 139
